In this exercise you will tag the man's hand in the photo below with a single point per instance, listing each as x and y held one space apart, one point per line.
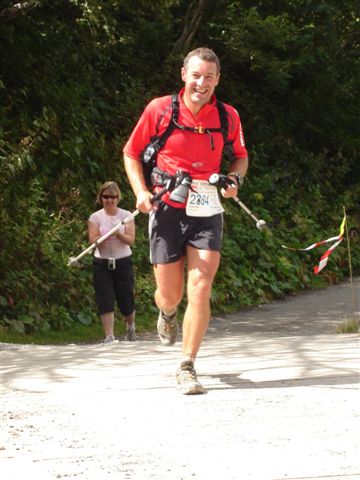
229 186
230 191
143 201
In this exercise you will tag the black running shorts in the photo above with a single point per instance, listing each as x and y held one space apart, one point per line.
111 285
171 231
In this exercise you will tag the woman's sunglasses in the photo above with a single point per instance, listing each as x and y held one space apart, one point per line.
106 197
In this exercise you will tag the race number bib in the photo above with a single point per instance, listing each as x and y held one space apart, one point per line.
203 201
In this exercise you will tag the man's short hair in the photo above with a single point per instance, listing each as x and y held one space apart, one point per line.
205 54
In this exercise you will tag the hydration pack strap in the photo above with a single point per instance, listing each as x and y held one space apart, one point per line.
200 129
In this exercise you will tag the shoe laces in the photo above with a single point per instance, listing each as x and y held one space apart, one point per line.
187 372
168 322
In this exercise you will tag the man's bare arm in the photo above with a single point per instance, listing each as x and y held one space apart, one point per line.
136 178
238 166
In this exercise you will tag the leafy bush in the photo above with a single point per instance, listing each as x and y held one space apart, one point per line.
73 82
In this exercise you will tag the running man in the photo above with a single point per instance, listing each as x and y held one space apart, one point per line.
186 227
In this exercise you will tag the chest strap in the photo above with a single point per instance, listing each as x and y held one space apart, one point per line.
200 129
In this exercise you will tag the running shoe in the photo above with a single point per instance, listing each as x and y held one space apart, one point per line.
167 328
130 335
109 339
186 379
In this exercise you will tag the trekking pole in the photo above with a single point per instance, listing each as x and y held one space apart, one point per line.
260 224
74 260
223 181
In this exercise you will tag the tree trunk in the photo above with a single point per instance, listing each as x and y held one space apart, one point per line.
17 9
192 21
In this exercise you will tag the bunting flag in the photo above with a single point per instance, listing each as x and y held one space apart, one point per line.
324 259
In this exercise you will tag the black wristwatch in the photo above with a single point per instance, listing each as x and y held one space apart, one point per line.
239 178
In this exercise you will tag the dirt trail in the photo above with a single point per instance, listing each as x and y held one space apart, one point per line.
282 402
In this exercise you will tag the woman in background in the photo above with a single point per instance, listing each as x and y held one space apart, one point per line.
113 272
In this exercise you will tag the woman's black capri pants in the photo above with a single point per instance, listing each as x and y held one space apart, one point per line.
111 285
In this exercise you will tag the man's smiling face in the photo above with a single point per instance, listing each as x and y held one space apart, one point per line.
200 78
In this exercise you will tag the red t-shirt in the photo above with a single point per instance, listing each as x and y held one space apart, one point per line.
185 150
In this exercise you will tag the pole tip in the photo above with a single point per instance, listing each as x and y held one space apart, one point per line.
72 262
260 224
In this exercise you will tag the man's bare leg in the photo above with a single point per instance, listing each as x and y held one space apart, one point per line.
169 285
202 267
168 295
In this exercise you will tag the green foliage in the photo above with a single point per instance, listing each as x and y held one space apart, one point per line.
74 77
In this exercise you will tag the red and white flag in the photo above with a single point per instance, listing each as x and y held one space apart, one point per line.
324 259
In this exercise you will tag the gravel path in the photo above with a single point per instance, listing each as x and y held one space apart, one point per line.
282 402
